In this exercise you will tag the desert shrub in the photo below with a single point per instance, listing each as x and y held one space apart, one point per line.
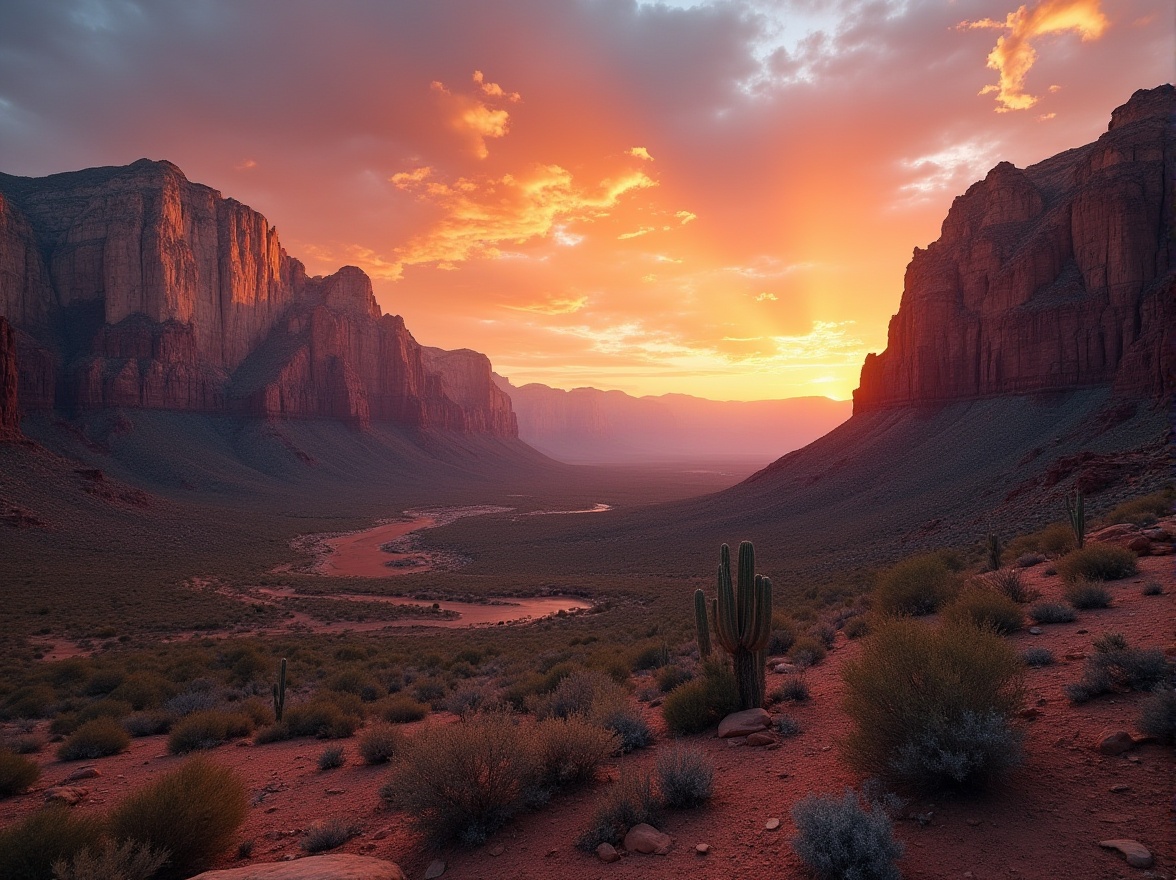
652 656
792 689
402 709
856 627
260 711
702 703
571 749
917 585
430 691
143 690
329 834
1053 540
128 860
786 726
29 847
839 839
1097 562
1085 595
192 812
107 708
25 745
16 773
1143 511
685 776
30 701
469 698
357 682
1051 612
631 730
807 651
331 758
276 732
1115 664
464 780
1028 560
669 677
94 739
1008 582
586 692
199 700
629 801
380 743
322 718
1038 657
1153 588
1157 715
783 635
986 609
207 730
933 708
149 723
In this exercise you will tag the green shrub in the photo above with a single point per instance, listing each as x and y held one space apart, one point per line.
807 651
192 812
702 703
380 743
1117 665
572 749
29 847
915 586
402 709
685 776
143 690
856 627
1143 511
331 758
1097 562
785 726
94 739
783 634
1051 612
207 730
150 723
325 719
626 722
1008 582
1157 715
1153 588
1053 540
29 701
586 692
1085 595
986 609
933 708
16 773
1037 657
329 834
669 677
629 801
128 860
792 689
839 838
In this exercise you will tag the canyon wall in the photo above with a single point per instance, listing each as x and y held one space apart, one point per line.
1058 276
134 287
9 408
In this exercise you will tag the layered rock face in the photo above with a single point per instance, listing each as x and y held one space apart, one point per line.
134 287
1058 276
9 408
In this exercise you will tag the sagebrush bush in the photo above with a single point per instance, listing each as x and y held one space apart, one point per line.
1115 664
631 730
856 627
786 726
685 776
792 689
1097 562
94 739
1008 582
149 723
1153 588
207 730
402 709
669 677
839 839
329 834
16 773
627 802
1038 657
325 719
584 692
808 650
192 812
933 708
783 634
703 702
986 609
1157 715
1053 540
915 586
572 749
1051 612
29 847
128 860
331 758
1028 560
380 743
1143 511
1086 595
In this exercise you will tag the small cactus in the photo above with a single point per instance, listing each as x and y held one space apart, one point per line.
743 622
994 551
702 625
1076 510
280 692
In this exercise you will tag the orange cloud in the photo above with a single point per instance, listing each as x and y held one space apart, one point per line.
553 306
640 153
474 117
1014 55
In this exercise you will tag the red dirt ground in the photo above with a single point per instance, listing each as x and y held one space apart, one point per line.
1044 822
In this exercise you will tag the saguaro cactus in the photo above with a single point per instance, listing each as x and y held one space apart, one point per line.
743 622
993 551
702 625
1077 512
280 691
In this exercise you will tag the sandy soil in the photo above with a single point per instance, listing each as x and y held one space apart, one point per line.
359 554
1044 822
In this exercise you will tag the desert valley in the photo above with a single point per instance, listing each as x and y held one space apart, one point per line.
289 594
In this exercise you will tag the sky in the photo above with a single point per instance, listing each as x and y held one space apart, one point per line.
714 198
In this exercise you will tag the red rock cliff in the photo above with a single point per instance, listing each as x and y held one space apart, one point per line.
1057 276
9 407
132 286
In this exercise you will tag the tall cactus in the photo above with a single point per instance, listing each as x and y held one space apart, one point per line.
280 692
702 625
743 622
993 551
1077 512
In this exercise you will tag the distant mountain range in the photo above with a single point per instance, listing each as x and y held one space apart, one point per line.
592 426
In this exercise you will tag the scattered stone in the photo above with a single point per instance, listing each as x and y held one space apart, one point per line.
606 852
702 849
551 852
653 704
743 723
647 839
1120 789
334 791
1030 713
497 850
771 824
1115 742
1083 632
975 823
784 669
761 739
1138 855
337 866
70 795
1034 630
436 869
81 773
1139 544
381 834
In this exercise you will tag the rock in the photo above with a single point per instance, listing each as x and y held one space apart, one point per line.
1034 630
744 723
70 795
497 850
1157 534
648 840
83 773
338 866
1120 789
1029 713
702 848
761 739
772 824
1138 855
436 869
1034 270
1115 742
1139 544
606 852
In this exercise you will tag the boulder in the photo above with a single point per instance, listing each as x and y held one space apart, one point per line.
606 852
1115 742
648 840
1137 855
339 866
744 723
761 739
70 795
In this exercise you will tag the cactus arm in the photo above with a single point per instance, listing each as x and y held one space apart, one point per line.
701 625
280 691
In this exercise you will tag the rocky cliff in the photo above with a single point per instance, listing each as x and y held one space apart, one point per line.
1058 276
134 287
9 408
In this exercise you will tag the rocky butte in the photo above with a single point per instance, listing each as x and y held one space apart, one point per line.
1055 277
134 287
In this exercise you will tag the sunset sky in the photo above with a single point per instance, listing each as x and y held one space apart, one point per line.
711 198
